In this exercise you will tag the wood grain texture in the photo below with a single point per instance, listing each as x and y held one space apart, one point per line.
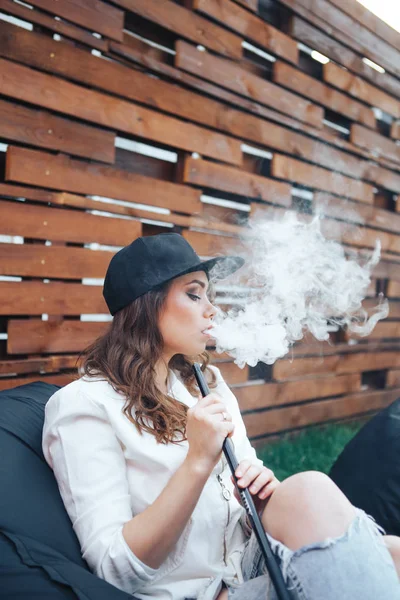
22 83
62 173
187 24
219 177
296 417
106 205
43 129
395 130
60 379
54 298
37 260
293 170
251 4
37 222
267 395
61 27
319 92
92 14
375 142
361 89
44 364
339 364
264 126
34 336
313 34
346 30
249 26
230 75
370 21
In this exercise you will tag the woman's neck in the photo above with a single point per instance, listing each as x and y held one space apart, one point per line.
161 369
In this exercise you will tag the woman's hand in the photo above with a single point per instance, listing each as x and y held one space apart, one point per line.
208 424
260 480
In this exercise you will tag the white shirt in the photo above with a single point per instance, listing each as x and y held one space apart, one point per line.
107 473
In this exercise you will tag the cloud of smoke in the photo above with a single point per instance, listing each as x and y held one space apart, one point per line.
299 281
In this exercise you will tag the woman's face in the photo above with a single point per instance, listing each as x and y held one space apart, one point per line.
186 314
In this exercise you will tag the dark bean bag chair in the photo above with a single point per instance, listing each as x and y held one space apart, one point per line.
40 555
368 469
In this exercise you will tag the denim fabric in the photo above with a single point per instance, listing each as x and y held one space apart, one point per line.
356 565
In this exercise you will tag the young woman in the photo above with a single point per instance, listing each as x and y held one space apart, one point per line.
137 456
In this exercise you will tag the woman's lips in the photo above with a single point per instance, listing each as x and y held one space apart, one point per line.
208 332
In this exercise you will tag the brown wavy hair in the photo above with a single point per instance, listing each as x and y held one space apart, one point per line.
126 356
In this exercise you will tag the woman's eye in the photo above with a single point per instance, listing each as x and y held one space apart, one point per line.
193 297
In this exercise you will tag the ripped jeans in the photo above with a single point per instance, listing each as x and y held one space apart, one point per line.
354 566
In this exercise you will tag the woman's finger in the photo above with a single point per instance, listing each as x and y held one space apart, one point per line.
249 476
263 479
242 467
268 489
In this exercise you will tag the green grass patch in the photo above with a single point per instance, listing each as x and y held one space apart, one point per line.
313 449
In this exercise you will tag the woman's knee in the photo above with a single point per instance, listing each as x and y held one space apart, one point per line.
307 508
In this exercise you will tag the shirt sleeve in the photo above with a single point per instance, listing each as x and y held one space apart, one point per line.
80 445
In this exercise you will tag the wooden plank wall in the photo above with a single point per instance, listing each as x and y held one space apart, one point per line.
121 118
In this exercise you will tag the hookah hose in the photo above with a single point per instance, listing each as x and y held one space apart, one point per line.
247 502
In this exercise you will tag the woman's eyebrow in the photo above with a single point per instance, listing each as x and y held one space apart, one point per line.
201 283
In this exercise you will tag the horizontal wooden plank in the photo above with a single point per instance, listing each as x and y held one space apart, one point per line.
75 201
206 244
234 77
346 363
42 52
394 310
348 235
232 374
344 29
393 378
375 142
318 349
220 177
187 24
40 366
356 212
250 27
369 20
251 4
395 130
25 84
36 298
321 93
62 173
318 38
92 14
37 222
61 380
359 88
37 260
294 417
252 127
386 269
266 395
293 170
34 336
393 290
385 329
63 28
40 128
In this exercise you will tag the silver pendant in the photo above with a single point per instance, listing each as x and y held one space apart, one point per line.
226 494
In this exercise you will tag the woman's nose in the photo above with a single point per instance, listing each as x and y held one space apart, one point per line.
210 311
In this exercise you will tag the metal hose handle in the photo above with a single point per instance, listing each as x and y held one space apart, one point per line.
248 504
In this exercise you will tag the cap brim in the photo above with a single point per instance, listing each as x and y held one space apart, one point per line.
221 266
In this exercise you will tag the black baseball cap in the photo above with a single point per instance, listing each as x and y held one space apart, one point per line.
149 262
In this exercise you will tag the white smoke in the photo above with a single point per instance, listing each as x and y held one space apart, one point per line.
300 281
